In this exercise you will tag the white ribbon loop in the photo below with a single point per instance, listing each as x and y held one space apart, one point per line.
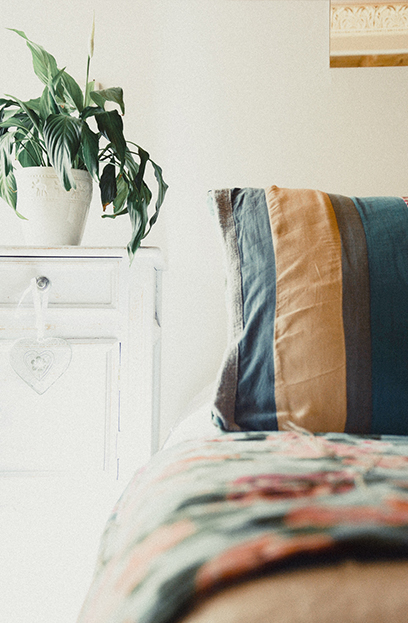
39 362
40 300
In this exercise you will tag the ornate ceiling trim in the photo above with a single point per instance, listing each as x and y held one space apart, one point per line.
368 33
369 19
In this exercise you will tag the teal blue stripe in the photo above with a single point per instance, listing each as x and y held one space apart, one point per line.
255 407
385 222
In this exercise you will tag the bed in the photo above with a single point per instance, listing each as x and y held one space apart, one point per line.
284 498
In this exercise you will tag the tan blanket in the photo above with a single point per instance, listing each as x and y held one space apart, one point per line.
350 592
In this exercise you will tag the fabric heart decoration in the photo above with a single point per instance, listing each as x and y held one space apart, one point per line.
40 362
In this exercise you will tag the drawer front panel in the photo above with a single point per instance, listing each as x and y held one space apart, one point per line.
75 283
73 425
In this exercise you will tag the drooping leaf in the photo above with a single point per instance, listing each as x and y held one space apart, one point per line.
89 150
29 112
4 103
90 111
107 185
62 140
111 125
122 191
114 94
144 158
6 145
34 104
24 139
8 190
137 205
120 201
162 190
131 164
17 121
45 65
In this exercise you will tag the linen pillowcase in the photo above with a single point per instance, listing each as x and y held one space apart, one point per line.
318 305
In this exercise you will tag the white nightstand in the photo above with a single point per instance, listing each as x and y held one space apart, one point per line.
67 454
102 414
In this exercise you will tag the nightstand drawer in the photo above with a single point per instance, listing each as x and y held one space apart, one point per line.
75 283
97 410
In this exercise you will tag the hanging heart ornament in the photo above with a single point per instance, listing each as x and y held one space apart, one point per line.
40 362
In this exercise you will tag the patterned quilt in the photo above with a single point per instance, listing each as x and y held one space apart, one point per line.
203 514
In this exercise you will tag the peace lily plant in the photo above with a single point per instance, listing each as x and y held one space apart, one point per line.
71 129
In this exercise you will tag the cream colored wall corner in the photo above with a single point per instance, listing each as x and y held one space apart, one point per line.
225 93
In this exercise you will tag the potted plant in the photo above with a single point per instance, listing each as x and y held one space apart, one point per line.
71 130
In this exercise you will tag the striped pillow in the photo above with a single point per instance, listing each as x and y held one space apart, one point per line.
318 292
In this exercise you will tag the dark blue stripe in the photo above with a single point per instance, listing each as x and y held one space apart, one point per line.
385 222
255 401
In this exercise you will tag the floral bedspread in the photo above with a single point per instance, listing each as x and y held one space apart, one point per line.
200 515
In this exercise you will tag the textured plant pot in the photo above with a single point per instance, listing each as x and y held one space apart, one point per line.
54 216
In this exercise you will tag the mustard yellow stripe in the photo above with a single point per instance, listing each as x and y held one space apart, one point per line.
309 346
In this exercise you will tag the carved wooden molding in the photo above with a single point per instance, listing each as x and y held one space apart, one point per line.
371 19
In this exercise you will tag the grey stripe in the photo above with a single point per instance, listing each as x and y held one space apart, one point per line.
356 314
226 385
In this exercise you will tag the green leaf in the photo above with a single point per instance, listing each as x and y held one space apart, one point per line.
137 207
28 150
34 105
17 121
7 103
45 65
8 190
6 150
4 103
107 185
114 94
162 190
29 156
131 164
24 139
57 93
30 113
122 191
62 141
90 150
90 111
111 125
144 158
73 91
47 105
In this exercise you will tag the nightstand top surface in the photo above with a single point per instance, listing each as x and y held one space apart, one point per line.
152 254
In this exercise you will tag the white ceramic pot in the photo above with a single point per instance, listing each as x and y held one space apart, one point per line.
54 216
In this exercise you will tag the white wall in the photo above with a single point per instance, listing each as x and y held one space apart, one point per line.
224 93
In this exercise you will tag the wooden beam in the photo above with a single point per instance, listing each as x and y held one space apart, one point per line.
369 60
